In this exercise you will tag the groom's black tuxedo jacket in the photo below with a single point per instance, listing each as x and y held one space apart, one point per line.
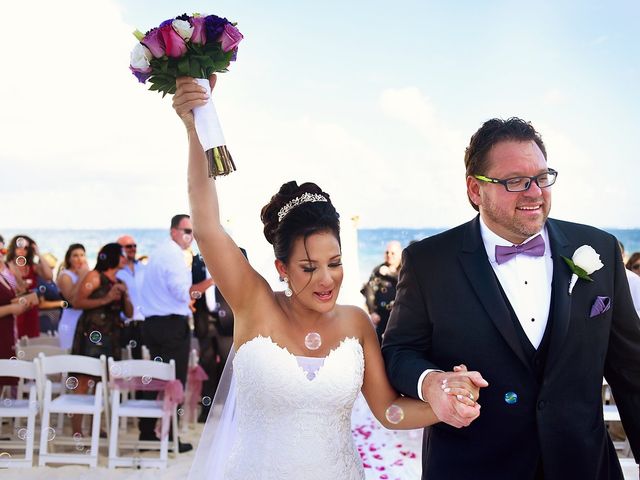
450 309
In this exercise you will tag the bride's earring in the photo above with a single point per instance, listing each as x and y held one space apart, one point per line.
287 291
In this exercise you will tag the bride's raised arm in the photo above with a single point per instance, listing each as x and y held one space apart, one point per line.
234 276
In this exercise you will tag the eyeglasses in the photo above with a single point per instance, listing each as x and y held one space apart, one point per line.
130 245
635 266
522 184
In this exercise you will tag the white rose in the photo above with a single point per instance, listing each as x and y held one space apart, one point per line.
183 28
384 270
587 259
140 57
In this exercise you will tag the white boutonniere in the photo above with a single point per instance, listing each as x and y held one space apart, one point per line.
384 270
584 262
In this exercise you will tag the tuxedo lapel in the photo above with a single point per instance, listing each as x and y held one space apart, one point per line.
476 266
561 308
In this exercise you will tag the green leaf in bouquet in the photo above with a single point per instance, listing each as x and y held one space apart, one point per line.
184 66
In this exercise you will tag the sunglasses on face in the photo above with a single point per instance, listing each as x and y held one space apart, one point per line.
188 231
130 245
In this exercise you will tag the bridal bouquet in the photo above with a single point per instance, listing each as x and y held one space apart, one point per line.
194 46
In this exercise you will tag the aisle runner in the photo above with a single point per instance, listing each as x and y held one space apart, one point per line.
386 454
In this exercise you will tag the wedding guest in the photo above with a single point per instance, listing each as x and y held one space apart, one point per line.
166 301
380 290
633 263
634 282
102 297
23 258
132 274
51 302
9 309
70 279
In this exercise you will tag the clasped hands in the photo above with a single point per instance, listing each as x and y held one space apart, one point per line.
457 410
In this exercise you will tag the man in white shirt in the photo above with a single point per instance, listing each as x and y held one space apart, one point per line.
499 294
132 275
166 300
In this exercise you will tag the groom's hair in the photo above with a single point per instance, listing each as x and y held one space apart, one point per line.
492 132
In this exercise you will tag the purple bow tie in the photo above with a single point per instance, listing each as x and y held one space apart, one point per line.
534 248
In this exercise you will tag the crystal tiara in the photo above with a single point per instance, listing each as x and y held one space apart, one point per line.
304 198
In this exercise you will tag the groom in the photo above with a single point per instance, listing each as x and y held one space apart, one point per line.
494 294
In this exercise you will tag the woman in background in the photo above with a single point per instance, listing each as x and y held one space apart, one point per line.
69 280
8 310
21 259
102 297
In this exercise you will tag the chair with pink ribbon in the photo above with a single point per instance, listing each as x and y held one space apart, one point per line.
144 375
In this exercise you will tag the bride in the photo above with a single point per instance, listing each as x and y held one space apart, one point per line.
301 359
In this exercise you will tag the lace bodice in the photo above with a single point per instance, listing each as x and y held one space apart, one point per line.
292 425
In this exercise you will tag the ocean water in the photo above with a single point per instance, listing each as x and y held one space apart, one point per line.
371 243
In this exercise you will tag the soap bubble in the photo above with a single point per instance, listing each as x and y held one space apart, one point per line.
51 434
196 294
146 380
21 242
181 411
20 353
394 414
133 343
21 261
22 434
158 359
71 383
206 401
95 336
313 341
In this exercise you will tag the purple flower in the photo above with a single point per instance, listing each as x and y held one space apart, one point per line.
141 74
153 41
230 37
214 26
174 44
166 22
199 34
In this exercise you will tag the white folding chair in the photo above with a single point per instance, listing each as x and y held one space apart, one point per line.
83 404
144 352
611 415
14 408
126 407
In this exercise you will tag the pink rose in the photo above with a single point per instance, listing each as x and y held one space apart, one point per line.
199 34
173 43
230 37
153 41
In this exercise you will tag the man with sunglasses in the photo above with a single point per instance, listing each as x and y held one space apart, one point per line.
132 275
166 301
494 294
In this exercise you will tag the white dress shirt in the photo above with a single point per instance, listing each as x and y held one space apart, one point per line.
526 281
133 280
167 279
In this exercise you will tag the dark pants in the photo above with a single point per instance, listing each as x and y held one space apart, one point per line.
167 337
132 335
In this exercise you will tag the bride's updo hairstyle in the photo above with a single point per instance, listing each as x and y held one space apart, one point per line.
297 211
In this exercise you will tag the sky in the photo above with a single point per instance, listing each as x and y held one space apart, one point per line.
373 101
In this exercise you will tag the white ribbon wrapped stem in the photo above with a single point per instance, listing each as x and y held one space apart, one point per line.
210 135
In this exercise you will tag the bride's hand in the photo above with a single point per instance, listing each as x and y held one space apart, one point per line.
188 96
462 387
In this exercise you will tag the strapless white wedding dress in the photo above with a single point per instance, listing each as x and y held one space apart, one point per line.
293 424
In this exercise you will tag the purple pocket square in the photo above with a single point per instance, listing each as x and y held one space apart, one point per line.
601 305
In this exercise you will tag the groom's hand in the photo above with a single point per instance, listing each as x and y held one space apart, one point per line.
447 407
